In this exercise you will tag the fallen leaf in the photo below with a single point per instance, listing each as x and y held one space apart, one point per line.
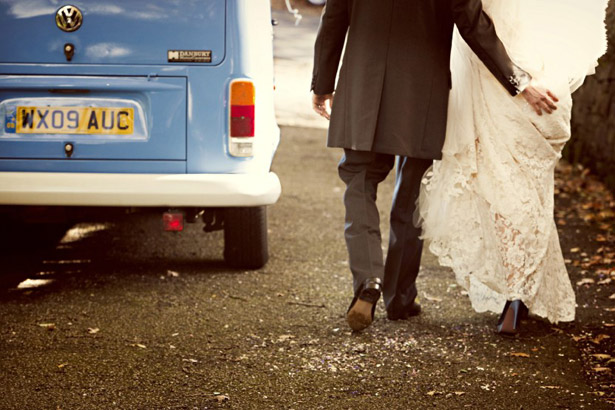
432 298
172 274
93 330
605 281
585 281
519 355
221 397
609 325
612 296
600 338
284 338
601 356
601 369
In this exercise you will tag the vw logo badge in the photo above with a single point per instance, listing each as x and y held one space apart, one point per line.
69 18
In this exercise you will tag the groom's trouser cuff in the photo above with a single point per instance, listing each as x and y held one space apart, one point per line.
405 246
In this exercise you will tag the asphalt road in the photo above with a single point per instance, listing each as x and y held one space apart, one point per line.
114 313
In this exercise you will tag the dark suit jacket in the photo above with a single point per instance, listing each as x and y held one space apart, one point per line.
392 94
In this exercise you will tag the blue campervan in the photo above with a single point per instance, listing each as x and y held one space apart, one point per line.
155 104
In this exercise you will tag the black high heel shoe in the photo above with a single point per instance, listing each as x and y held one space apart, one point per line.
361 311
510 320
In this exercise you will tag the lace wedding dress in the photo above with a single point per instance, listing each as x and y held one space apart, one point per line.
487 207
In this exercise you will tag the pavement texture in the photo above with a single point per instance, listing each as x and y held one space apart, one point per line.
294 49
114 313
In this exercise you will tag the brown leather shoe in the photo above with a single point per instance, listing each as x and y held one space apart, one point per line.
361 312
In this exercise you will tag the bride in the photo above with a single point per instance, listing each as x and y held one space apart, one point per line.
487 207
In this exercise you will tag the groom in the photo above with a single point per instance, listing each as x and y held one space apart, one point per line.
391 100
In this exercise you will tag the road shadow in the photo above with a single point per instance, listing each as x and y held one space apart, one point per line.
54 257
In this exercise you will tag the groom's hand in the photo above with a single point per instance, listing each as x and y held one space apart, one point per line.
540 99
319 104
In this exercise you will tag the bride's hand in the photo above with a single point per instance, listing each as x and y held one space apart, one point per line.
540 99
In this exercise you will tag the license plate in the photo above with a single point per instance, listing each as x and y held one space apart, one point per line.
74 120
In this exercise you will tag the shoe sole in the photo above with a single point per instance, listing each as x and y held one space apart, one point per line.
359 317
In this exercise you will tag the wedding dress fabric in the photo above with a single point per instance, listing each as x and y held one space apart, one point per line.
487 207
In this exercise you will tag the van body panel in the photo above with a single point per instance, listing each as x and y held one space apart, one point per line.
135 32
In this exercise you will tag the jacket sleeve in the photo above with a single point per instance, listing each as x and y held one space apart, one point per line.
329 45
478 30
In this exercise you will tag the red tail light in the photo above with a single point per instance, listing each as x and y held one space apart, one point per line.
173 221
242 121
242 117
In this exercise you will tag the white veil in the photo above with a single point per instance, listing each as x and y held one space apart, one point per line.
558 42
560 39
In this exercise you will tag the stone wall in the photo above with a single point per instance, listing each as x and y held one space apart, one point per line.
593 121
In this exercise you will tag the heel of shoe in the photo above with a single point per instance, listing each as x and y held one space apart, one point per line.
510 320
371 291
360 314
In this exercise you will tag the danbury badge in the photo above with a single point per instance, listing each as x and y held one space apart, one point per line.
189 56
69 18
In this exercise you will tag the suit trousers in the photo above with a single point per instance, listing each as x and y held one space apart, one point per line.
362 171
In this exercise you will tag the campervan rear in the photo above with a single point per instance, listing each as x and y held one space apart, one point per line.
155 104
